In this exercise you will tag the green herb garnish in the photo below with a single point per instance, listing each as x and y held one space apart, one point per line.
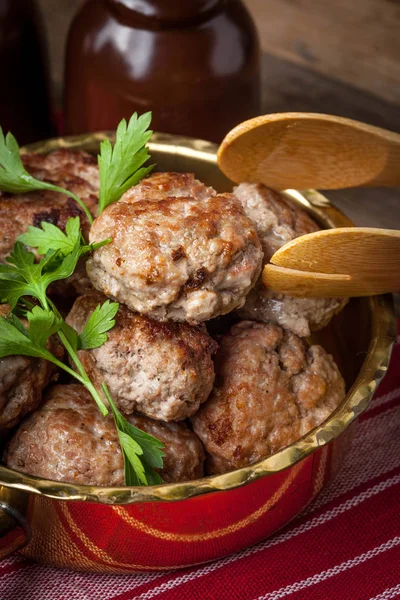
49 237
121 167
22 276
16 180
25 277
142 452
100 321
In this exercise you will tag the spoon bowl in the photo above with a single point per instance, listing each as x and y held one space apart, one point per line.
310 150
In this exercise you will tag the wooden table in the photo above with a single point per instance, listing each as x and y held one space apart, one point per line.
334 57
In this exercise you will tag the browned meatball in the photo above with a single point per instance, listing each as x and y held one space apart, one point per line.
163 370
22 380
270 390
278 221
75 171
186 258
301 316
67 439
75 165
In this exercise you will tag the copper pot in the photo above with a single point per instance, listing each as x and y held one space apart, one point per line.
128 529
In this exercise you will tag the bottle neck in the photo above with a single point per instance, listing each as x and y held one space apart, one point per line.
170 11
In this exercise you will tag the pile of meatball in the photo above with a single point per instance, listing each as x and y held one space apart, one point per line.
220 392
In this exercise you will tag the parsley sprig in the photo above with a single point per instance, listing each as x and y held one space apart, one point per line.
15 179
141 451
121 167
26 277
23 276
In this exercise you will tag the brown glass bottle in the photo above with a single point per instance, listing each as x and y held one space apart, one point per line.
24 100
194 63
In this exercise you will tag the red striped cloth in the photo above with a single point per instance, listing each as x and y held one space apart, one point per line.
346 546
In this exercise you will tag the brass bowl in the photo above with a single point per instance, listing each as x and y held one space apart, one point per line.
130 529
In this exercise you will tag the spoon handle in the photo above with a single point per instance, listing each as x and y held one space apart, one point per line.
304 284
307 285
348 261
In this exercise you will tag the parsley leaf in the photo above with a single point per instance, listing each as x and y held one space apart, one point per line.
50 237
42 324
23 277
13 176
132 464
121 167
100 321
15 339
145 449
16 180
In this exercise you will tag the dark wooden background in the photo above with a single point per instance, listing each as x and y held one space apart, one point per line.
333 56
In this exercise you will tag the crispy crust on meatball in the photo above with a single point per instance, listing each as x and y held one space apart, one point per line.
278 221
169 185
270 390
186 258
67 439
64 162
22 380
163 370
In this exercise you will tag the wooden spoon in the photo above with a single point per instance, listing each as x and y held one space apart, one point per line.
307 150
348 261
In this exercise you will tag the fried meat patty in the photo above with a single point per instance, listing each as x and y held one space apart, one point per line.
163 370
277 222
185 258
270 390
75 171
67 439
22 380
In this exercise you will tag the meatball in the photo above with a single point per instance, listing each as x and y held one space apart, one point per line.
279 221
301 316
75 171
22 380
163 370
184 452
67 439
65 163
270 390
185 258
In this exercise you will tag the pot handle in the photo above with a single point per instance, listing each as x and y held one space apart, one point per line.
15 531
